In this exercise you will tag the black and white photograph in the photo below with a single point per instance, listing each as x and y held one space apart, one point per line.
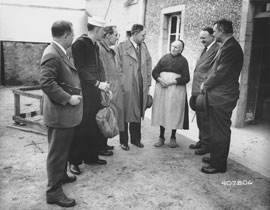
135 104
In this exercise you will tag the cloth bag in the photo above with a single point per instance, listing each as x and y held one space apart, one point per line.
105 117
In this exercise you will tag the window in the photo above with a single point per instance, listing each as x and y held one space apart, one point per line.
171 27
174 28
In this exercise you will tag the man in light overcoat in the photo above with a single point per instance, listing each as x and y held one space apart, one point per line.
135 65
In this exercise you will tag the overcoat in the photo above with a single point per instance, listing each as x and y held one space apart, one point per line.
128 66
56 69
107 56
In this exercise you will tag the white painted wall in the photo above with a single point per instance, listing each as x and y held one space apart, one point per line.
117 14
31 20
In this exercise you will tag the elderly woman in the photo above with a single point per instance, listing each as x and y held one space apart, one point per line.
170 108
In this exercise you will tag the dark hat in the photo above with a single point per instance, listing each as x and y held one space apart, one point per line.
201 102
149 101
192 103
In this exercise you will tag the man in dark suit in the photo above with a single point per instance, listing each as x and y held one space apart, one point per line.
60 83
201 72
222 87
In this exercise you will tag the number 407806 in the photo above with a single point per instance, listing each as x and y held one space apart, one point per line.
237 182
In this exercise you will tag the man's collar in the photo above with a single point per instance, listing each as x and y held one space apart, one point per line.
227 38
134 43
105 45
210 45
60 46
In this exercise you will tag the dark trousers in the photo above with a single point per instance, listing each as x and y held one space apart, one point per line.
135 133
84 147
59 140
88 139
204 128
220 134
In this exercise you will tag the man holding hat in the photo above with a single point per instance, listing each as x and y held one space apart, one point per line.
201 72
88 138
222 86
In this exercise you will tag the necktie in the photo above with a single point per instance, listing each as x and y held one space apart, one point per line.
204 50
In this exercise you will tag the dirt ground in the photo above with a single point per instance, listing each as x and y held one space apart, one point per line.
140 179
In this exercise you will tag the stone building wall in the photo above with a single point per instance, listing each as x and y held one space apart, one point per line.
21 62
198 14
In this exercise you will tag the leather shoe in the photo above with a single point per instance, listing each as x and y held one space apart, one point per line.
206 160
138 144
108 147
201 152
198 145
75 169
98 162
69 179
211 170
63 201
105 153
124 147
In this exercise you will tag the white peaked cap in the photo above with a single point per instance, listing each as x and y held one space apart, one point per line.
96 21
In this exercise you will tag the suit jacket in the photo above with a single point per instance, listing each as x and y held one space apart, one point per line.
222 83
202 68
128 66
56 69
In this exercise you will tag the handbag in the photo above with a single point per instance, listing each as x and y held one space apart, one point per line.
105 117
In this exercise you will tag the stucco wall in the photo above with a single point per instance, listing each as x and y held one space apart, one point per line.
21 62
25 28
198 14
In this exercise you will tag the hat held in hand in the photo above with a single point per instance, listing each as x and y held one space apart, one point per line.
201 102
149 101
96 21
192 102
198 103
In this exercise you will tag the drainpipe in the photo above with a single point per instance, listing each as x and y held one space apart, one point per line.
142 9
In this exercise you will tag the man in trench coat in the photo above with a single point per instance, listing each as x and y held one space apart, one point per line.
135 65
107 56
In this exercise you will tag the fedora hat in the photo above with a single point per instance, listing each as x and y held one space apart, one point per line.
96 21
192 102
149 101
201 102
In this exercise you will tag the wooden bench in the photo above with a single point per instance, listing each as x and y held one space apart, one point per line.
31 121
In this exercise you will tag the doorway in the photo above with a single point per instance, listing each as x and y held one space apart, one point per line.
258 99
